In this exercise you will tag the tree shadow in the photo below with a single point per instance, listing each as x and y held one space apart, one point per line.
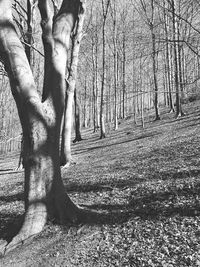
10 224
151 206
139 137
12 198
144 204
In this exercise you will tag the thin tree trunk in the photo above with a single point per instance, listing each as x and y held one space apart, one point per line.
102 107
65 156
115 66
93 89
77 105
176 70
167 48
123 75
157 116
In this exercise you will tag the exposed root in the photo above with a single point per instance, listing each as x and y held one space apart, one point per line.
66 165
69 163
3 244
34 222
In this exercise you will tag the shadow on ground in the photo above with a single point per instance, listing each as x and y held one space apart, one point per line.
143 203
9 225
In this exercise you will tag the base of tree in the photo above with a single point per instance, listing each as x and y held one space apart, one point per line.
20 168
157 118
65 160
96 130
102 136
76 140
171 110
180 114
83 215
69 163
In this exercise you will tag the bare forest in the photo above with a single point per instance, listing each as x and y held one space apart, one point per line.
99 133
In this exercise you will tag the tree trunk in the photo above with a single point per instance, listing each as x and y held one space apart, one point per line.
157 116
65 156
102 115
176 67
77 105
28 38
168 76
124 74
115 66
93 88
44 191
102 107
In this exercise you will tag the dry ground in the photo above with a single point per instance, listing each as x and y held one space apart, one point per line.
149 181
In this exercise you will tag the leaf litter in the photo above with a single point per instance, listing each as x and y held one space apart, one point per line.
147 180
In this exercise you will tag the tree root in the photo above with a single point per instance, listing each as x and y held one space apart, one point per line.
35 222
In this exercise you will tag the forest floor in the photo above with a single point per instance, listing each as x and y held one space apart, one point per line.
149 181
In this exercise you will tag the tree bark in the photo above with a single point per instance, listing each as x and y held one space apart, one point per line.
179 111
77 105
102 107
65 156
168 76
157 117
44 190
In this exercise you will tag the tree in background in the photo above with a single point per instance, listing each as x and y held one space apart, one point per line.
132 39
105 7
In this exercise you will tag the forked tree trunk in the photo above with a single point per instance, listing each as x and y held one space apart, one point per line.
44 191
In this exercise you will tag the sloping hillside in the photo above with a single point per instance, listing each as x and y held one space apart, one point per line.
145 181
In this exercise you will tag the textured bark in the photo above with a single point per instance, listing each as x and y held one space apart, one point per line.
71 83
44 191
28 39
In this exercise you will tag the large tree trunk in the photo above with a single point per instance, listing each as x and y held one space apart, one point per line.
44 191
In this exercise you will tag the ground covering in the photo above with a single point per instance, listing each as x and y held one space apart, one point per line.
147 181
